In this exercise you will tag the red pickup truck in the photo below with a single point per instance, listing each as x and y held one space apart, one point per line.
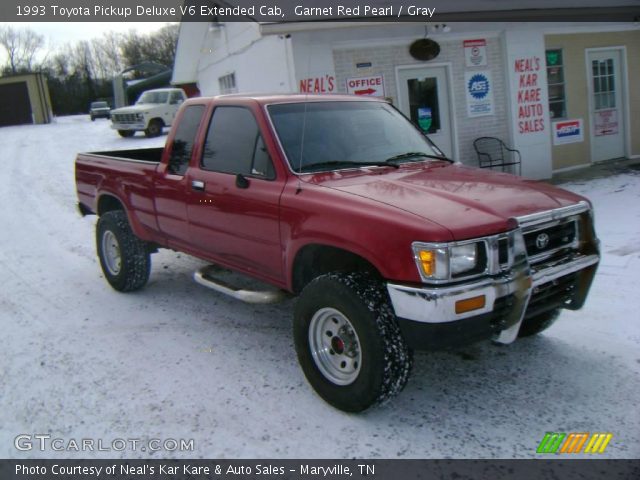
343 202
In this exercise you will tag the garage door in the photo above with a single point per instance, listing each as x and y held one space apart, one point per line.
15 108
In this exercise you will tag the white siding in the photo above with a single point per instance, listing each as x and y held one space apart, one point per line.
260 64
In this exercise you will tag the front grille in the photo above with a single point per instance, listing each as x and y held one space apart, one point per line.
125 118
503 251
544 242
550 295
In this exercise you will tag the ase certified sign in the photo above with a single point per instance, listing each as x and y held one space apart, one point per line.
479 89
372 86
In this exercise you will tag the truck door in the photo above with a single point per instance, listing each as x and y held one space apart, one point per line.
234 203
172 185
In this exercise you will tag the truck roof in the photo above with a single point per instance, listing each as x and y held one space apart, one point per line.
270 98
166 89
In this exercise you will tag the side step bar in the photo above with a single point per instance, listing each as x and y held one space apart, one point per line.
206 277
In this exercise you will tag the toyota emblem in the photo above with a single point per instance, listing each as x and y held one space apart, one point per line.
542 240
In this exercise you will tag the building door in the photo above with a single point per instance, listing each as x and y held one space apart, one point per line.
606 106
423 96
15 106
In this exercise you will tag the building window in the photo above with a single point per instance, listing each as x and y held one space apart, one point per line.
228 84
555 80
604 88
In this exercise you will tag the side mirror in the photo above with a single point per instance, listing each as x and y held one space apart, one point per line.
242 181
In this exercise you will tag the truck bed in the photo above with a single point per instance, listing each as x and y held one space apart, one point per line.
126 175
140 154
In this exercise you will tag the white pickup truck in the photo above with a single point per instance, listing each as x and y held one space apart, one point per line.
154 110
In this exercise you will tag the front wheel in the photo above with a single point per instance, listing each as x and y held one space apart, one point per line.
348 342
124 258
154 129
126 133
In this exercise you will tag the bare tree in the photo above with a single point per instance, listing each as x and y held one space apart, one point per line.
22 47
158 47
106 54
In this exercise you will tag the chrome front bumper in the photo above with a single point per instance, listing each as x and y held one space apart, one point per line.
128 126
437 305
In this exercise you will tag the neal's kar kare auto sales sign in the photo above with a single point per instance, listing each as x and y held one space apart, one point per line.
529 95
479 89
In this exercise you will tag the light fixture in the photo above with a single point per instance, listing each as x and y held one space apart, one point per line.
442 28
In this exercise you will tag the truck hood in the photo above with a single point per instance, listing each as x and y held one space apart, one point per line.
469 202
137 108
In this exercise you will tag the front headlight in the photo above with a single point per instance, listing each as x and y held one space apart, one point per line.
463 258
442 262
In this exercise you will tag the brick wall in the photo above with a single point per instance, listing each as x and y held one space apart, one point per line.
384 60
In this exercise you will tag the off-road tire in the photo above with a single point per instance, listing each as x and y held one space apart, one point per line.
154 129
135 260
534 325
386 360
126 133
93 119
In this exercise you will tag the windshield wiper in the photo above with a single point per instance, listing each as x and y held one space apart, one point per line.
406 155
347 163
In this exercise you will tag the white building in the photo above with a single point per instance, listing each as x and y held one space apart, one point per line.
560 93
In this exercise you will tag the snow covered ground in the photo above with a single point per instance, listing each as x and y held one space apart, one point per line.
177 361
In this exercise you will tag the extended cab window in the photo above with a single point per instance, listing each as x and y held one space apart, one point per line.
184 139
234 144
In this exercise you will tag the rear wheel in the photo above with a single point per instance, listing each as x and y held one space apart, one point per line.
155 128
534 325
126 133
124 258
348 342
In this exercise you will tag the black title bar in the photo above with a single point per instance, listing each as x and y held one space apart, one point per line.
270 11
318 469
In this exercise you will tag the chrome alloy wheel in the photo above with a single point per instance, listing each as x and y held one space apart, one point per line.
335 346
111 252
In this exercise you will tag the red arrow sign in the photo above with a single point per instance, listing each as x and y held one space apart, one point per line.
368 91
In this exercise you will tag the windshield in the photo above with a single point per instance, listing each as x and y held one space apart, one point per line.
345 134
153 97
99 105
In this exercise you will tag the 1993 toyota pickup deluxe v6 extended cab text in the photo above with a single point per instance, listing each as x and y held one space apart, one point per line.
343 202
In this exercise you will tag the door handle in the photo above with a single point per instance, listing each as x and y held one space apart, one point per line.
197 185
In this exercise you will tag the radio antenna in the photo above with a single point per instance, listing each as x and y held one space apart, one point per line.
304 125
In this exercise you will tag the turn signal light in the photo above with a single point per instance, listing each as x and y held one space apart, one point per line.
427 260
469 304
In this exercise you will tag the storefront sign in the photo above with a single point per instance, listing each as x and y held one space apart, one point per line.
567 131
475 52
372 86
605 122
321 84
479 93
529 95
